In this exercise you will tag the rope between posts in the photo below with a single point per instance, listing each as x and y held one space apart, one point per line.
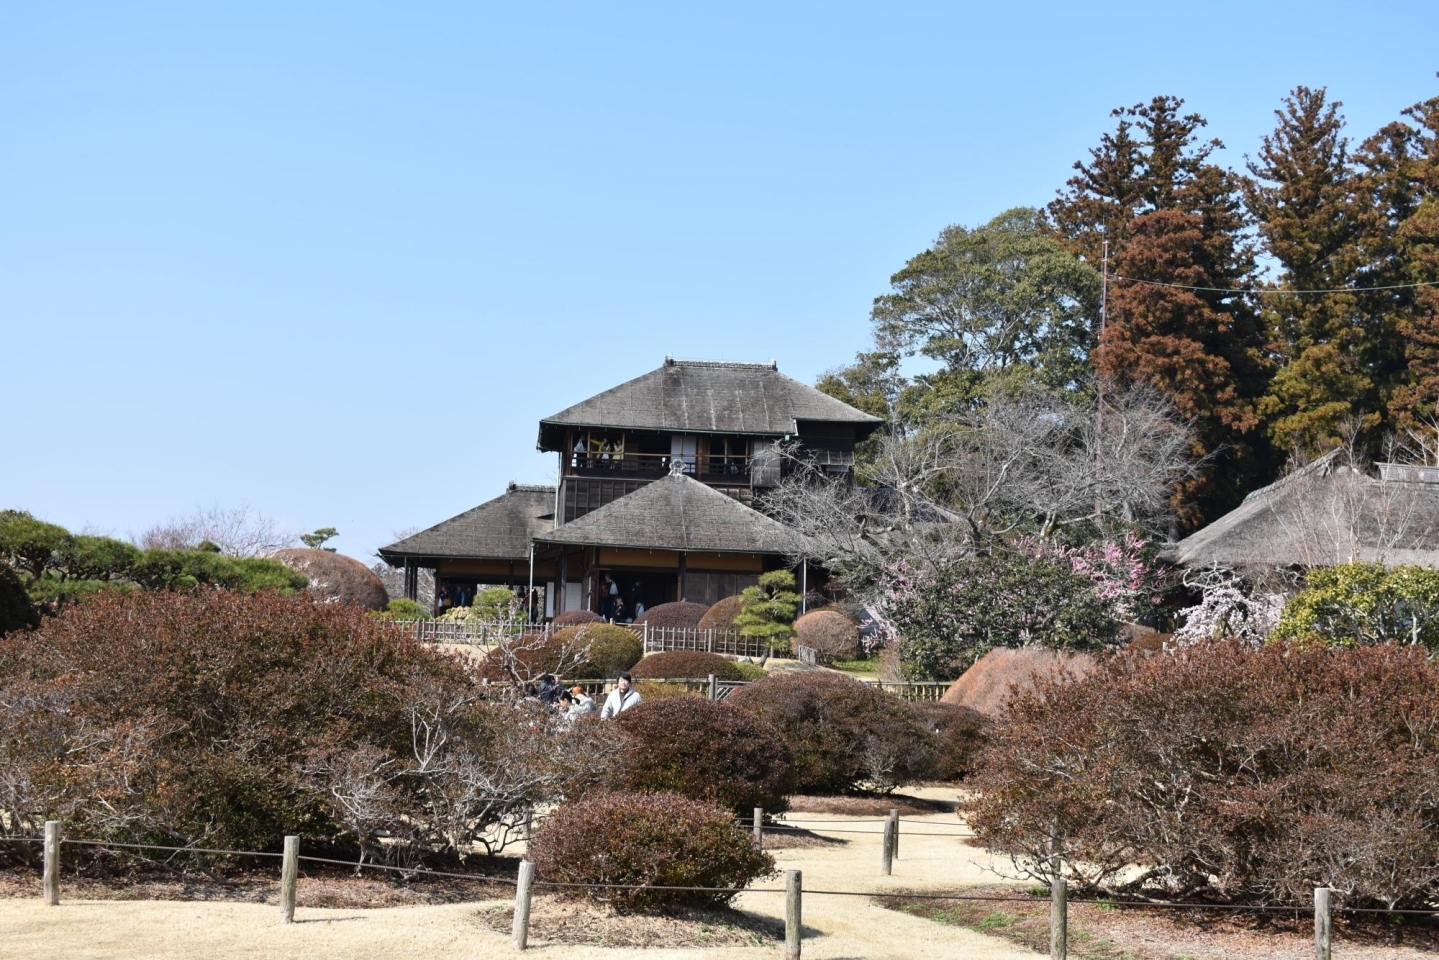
646 886
410 870
152 846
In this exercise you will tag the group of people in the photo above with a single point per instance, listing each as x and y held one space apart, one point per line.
613 606
574 704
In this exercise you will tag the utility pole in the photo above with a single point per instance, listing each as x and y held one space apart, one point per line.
1099 399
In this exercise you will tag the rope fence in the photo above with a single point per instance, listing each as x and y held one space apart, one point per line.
526 881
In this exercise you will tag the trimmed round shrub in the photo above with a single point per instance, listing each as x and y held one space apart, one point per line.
687 665
959 735
683 615
828 631
573 618
612 649
721 615
707 751
336 578
648 839
844 735
659 690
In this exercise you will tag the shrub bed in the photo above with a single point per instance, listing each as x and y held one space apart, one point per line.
844 735
1227 772
707 751
829 632
648 839
228 720
687 665
680 615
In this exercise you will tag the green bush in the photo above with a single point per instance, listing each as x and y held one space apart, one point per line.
844 735
609 649
177 569
651 840
948 619
687 665
403 608
707 751
1361 604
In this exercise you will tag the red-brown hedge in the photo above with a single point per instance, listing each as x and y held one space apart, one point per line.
721 615
680 615
1229 773
648 839
828 631
707 751
958 733
183 716
686 665
574 618
844 735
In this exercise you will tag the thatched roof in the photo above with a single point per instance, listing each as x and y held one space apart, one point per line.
706 396
1324 514
995 677
678 513
498 529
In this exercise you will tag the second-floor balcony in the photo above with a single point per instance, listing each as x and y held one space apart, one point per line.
707 468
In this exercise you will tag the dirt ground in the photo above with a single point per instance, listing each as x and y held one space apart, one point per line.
835 927
931 860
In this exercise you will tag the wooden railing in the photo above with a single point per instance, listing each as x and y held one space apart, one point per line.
661 639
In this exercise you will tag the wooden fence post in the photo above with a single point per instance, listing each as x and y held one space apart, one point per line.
1323 924
521 929
289 879
52 863
894 842
713 687
759 828
887 857
792 914
1058 919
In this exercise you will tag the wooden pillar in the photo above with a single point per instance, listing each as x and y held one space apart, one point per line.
412 579
683 565
562 579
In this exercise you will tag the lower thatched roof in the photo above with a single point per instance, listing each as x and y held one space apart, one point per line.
676 513
498 529
1323 514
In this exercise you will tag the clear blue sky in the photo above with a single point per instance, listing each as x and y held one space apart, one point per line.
336 260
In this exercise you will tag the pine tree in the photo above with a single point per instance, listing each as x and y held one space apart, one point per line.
767 610
1174 218
1304 200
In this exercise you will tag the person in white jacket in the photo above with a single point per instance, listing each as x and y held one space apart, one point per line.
621 698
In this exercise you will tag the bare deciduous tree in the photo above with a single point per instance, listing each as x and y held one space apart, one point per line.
238 531
1021 463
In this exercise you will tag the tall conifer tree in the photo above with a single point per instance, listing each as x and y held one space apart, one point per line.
1175 220
1303 198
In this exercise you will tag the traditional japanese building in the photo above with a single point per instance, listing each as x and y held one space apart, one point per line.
661 485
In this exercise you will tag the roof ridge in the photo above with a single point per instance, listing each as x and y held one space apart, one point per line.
677 362
513 487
